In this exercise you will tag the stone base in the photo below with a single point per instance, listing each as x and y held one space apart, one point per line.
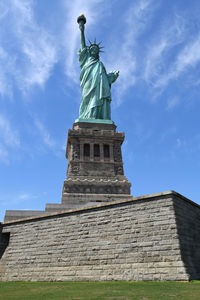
153 237
11 215
71 201
95 165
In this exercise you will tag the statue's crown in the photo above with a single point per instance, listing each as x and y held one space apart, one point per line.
96 45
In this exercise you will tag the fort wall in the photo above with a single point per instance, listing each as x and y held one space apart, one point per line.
153 237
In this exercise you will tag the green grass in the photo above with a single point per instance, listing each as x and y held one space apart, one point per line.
100 290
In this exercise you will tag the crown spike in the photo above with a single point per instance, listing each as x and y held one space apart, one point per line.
96 44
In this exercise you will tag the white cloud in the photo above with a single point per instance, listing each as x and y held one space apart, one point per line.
189 144
41 58
170 35
189 57
160 71
37 45
9 138
172 102
154 60
137 19
48 142
8 135
28 60
34 50
47 139
9 200
25 196
5 72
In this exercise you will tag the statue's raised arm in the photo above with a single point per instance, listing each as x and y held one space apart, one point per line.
81 21
95 82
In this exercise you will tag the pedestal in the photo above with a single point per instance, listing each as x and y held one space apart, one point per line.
95 167
95 171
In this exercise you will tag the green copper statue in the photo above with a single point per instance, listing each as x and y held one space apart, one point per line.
95 82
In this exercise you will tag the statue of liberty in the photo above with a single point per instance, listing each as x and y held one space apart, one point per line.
95 82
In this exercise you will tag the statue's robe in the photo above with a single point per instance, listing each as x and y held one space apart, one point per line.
95 85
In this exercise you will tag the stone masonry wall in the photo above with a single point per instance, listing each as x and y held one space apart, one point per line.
127 240
188 228
3 241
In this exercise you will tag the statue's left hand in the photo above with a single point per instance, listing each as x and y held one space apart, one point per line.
116 74
112 76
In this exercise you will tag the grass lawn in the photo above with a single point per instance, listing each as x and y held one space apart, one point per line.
100 290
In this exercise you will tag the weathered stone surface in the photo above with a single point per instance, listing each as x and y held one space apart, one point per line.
11 215
4 238
153 237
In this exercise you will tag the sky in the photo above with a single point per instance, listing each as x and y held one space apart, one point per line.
155 44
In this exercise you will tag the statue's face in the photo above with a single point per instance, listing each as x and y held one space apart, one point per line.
94 51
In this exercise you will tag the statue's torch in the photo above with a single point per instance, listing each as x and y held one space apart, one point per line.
81 19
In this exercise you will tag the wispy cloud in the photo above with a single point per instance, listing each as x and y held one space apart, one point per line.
172 102
45 135
30 59
37 45
171 34
137 18
36 50
5 73
171 54
189 57
188 144
9 138
18 198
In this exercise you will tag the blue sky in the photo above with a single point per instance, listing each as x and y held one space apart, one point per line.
156 100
